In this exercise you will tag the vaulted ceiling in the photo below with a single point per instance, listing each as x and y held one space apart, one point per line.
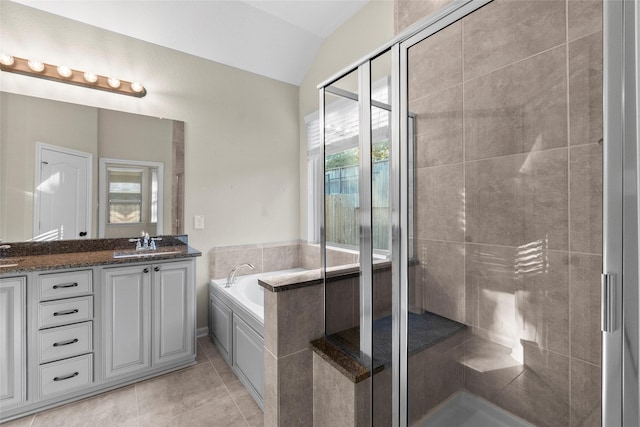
274 38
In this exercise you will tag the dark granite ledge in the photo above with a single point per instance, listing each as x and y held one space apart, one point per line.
291 281
344 363
62 254
314 277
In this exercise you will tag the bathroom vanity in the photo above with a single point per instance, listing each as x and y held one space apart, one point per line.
76 321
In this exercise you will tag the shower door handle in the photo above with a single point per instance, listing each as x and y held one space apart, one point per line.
608 303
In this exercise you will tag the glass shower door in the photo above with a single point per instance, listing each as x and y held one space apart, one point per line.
503 294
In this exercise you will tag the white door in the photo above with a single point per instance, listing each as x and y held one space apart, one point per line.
63 185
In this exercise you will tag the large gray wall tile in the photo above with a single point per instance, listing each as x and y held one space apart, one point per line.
407 12
284 257
541 393
440 203
223 261
295 389
586 339
300 319
585 17
436 62
518 200
442 274
520 294
506 31
439 128
585 190
585 394
333 396
585 88
517 109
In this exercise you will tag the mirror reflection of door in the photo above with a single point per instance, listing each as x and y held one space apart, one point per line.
130 198
62 194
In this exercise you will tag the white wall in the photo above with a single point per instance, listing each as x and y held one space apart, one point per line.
367 30
241 130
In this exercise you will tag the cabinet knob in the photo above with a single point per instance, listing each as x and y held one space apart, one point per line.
156 269
146 270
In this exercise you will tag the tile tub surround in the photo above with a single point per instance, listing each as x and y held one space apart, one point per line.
38 256
293 317
208 393
273 257
509 197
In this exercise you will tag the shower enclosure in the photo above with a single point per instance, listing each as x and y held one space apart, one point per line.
463 230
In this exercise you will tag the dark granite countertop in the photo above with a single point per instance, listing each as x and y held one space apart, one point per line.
37 256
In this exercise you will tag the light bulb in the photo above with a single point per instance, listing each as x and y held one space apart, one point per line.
113 82
7 60
64 71
36 66
137 87
90 77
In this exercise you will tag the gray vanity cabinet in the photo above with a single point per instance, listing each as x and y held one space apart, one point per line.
126 302
149 313
173 312
12 341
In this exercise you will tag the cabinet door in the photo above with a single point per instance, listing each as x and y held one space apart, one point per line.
126 299
220 316
12 344
173 312
248 357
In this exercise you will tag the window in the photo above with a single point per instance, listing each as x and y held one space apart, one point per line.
125 195
341 171
130 197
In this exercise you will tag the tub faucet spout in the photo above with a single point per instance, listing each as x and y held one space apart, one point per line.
231 279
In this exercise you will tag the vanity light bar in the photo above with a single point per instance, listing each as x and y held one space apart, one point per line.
64 74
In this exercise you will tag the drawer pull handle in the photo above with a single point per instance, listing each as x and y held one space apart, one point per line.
66 377
61 343
65 312
66 285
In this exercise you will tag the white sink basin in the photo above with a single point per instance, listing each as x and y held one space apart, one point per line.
141 254
9 263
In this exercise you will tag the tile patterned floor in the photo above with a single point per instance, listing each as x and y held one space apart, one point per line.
207 394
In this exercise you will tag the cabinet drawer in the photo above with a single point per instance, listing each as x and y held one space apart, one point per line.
65 341
72 310
61 377
64 285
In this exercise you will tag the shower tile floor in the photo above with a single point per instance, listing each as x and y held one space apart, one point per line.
467 410
206 394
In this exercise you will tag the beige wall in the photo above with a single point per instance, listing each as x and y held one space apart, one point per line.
28 120
367 30
241 130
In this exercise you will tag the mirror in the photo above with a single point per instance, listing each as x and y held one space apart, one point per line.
37 139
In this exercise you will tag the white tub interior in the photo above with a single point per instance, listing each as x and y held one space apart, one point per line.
248 293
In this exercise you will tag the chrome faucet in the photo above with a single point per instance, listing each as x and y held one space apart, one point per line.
145 242
231 279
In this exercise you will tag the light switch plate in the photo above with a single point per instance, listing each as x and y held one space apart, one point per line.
198 222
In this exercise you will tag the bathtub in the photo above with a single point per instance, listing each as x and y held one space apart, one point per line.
236 327
248 293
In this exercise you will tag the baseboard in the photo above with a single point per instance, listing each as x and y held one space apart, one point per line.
202 332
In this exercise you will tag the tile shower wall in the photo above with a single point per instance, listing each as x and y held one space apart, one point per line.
508 220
